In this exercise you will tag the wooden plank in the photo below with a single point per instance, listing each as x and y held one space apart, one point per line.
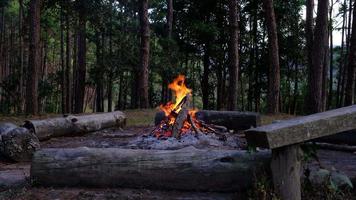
303 129
286 168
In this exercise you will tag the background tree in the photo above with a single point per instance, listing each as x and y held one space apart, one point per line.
34 58
318 56
350 84
274 70
233 55
144 54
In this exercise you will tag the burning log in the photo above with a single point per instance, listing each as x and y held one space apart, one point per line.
184 169
178 119
16 143
182 116
232 120
70 125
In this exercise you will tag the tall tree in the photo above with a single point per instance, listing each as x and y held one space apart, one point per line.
144 54
63 74
34 57
350 83
274 70
81 68
318 56
169 18
68 61
233 55
331 48
22 53
340 76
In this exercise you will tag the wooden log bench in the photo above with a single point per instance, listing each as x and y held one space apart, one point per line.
284 139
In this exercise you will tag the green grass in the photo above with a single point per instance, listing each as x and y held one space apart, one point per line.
140 117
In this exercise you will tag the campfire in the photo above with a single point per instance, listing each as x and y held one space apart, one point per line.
180 118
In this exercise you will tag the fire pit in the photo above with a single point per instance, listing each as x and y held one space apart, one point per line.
186 150
178 125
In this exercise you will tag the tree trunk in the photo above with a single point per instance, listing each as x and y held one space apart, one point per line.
72 125
144 54
341 68
274 71
68 82
34 57
233 54
318 56
81 69
331 49
21 57
63 85
184 169
350 84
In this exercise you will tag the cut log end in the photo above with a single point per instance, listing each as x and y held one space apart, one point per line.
19 144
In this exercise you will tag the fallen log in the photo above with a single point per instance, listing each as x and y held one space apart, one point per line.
335 147
18 144
346 137
71 125
185 169
232 120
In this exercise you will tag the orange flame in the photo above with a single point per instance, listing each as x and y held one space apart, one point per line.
180 91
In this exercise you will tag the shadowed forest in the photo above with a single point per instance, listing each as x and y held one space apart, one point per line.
63 56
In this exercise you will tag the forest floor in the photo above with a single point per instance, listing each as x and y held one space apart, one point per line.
14 177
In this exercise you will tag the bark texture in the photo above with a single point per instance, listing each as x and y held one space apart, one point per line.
144 54
71 125
184 169
81 69
34 57
350 84
318 56
274 70
233 54
286 168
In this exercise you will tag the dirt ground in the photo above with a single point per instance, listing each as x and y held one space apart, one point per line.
14 177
